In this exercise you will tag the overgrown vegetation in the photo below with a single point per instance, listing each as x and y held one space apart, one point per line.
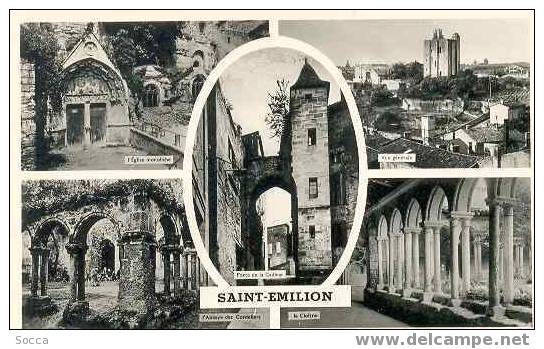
46 197
278 104
40 46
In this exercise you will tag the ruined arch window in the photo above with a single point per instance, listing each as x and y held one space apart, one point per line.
151 96
313 188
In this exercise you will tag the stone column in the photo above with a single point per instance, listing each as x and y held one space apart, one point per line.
501 264
455 230
197 271
87 124
80 296
380 267
190 271
521 261
166 269
415 257
391 262
407 262
437 266
428 287
400 247
508 254
184 267
177 286
479 257
465 252
495 211
137 274
35 252
77 269
44 271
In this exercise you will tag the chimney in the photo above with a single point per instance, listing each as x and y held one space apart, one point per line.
427 124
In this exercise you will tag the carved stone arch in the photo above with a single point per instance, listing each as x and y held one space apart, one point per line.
85 223
170 228
396 224
413 216
383 226
40 235
462 199
435 203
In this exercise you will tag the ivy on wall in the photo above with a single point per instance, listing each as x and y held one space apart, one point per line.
48 197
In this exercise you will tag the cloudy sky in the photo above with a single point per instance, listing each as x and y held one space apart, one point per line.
390 41
246 84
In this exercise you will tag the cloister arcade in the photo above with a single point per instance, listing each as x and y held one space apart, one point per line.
444 238
143 249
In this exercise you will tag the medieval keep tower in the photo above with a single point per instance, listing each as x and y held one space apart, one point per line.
310 171
442 56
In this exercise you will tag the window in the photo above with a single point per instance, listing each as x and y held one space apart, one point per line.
308 96
312 136
313 192
311 230
278 247
151 96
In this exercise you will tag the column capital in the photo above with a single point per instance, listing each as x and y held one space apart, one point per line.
74 248
501 201
463 216
412 230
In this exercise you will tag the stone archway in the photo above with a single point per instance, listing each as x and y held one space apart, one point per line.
78 247
255 243
47 254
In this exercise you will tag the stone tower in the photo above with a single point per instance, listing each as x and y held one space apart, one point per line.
310 171
442 56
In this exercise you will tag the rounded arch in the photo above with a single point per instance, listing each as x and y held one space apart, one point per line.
46 228
413 214
151 95
198 59
436 202
396 221
383 228
170 229
462 199
82 228
107 80
506 187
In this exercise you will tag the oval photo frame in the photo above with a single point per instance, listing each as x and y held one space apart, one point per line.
187 172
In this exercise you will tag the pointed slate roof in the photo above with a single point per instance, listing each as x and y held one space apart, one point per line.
308 78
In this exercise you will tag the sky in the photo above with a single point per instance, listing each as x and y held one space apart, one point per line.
391 41
246 84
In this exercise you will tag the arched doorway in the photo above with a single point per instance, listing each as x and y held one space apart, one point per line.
274 210
95 260
272 200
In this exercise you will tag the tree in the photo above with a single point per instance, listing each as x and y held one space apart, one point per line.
40 47
278 104
387 121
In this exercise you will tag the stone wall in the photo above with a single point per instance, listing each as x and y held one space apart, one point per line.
314 248
344 172
228 158
155 146
28 113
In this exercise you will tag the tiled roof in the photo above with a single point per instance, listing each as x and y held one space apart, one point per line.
427 156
